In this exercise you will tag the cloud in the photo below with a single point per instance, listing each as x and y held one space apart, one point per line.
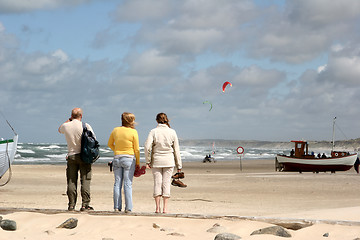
188 41
205 14
188 27
143 10
2 28
151 63
344 66
321 68
287 43
304 29
320 95
319 14
299 32
18 6
178 54
61 55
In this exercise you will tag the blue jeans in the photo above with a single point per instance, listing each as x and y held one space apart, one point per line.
123 167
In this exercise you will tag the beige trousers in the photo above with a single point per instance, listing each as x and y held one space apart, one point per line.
162 181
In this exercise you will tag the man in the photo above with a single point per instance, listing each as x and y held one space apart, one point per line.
73 129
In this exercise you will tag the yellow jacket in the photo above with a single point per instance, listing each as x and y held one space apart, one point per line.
124 140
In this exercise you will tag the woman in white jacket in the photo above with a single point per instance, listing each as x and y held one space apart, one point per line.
162 154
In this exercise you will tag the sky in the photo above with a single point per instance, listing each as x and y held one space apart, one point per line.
294 66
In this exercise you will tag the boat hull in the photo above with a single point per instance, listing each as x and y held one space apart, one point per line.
7 154
292 164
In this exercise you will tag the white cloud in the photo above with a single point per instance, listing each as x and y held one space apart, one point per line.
321 68
61 55
189 41
167 69
337 48
15 6
151 63
323 13
299 32
188 27
143 10
205 14
345 70
305 30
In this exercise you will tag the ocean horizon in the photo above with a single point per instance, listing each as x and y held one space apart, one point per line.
190 150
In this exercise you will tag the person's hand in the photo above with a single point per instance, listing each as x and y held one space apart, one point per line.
179 170
148 166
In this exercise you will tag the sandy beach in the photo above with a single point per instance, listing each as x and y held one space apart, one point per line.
240 201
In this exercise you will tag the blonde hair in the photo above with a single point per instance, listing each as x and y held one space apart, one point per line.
128 120
163 119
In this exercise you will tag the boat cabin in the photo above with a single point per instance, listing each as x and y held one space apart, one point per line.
301 150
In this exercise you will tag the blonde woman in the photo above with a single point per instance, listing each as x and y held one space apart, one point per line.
124 141
162 154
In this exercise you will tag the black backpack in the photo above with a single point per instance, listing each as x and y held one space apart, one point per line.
89 146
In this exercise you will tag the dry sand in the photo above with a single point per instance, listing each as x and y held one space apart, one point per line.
240 201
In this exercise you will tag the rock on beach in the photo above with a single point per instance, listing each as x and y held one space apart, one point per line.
8 225
275 230
69 224
226 236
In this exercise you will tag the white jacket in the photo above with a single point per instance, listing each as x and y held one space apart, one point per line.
162 148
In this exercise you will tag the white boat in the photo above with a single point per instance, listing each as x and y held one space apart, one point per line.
8 149
300 160
7 153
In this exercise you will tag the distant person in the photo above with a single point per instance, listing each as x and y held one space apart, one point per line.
323 155
292 153
73 129
319 155
124 141
162 154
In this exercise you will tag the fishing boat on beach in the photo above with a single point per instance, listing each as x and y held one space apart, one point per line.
300 160
7 153
8 149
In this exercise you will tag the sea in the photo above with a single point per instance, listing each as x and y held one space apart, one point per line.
55 153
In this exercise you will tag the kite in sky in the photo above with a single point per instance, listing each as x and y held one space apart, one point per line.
225 85
208 103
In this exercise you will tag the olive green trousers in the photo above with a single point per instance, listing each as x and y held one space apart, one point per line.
74 166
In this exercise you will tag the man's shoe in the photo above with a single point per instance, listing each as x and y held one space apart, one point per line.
178 183
86 208
70 208
178 175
